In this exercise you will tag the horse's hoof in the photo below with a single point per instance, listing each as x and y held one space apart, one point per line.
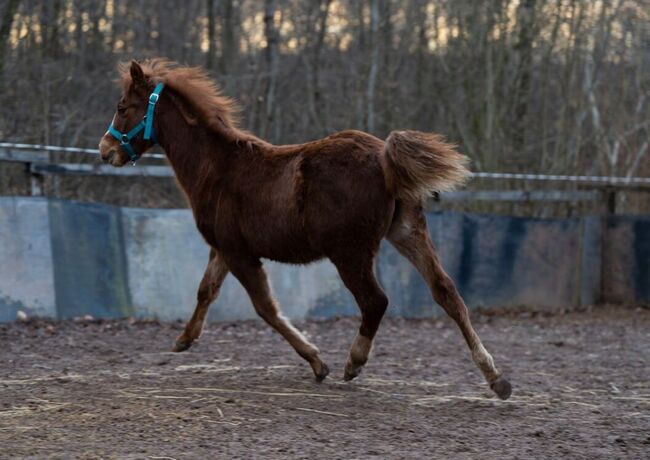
324 372
502 388
181 345
351 373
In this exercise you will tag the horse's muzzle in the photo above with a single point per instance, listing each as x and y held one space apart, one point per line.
108 158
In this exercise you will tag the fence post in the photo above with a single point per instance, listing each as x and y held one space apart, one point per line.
36 181
610 197
609 209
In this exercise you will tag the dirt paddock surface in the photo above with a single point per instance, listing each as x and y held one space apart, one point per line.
110 389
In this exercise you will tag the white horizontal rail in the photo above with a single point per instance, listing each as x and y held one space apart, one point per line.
53 169
55 148
604 180
521 195
615 180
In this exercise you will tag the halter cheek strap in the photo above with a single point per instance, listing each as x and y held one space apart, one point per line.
145 124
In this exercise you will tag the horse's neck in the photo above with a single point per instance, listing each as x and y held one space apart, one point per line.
197 155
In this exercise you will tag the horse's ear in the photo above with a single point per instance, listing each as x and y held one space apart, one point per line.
137 74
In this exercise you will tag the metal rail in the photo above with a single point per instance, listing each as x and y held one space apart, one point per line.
29 153
613 180
56 148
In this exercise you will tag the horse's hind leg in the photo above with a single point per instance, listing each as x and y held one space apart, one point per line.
356 271
252 276
213 277
409 234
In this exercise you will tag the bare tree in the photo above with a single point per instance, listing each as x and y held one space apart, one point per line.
271 56
312 61
228 36
211 24
371 87
559 86
524 53
5 29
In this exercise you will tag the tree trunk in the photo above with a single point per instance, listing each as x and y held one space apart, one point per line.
421 66
271 56
209 59
313 67
524 51
50 23
371 87
386 86
5 30
228 40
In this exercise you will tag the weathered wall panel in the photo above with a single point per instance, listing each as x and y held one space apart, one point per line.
65 259
626 259
165 256
26 272
88 260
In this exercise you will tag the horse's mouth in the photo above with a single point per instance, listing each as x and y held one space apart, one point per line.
113 158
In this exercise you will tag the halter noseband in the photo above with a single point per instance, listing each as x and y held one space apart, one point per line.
145 124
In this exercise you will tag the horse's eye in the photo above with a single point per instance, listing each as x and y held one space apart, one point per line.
121 110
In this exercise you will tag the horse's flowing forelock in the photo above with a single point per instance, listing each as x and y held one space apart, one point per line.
194 85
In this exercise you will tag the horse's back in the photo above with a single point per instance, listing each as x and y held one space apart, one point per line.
346 200
300 203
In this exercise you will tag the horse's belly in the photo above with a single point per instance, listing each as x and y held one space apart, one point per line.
283 247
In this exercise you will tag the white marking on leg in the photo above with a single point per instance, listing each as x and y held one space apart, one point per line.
484 361
297 338
360 350
304 347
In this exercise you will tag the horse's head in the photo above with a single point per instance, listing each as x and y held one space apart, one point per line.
131 132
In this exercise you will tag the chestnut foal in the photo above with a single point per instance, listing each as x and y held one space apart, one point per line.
336 197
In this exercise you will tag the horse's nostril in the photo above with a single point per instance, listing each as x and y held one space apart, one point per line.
109 157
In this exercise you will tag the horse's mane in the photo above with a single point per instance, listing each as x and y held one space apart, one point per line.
193 84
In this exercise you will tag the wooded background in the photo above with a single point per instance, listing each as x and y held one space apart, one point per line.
557 86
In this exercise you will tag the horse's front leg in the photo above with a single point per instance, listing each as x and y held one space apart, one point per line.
213 277
252 276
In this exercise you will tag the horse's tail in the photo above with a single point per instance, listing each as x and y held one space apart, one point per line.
418 164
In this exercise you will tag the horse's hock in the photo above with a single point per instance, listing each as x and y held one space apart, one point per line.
67 259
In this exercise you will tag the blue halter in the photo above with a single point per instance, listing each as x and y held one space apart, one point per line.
146 123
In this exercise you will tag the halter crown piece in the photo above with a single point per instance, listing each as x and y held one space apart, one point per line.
145 124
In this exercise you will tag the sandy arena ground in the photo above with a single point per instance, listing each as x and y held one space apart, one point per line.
110 389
